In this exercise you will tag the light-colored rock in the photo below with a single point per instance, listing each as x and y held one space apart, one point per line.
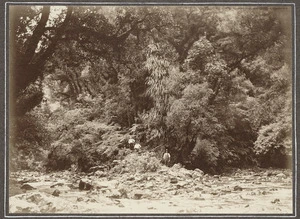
281 175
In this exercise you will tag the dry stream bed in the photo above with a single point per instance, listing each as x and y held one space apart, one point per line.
169 190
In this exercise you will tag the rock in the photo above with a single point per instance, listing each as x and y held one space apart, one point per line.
95 168
269 174
188 174
100 173
79 199
198 189
199 198
23 180
26 186
281 175
177 166
115 194
149 185
92 200
85 185
181 185
137 195
105 184
198 171
173 180
116 162
237 188
123 193
130 178
56 192
56 184
226 190
35 198
162 171
72 186
277 200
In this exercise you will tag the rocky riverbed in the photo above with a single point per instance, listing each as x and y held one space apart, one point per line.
168 190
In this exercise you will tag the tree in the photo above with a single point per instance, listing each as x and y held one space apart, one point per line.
32 42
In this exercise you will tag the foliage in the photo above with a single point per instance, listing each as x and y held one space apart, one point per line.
137 163
29 148
272 144
211 84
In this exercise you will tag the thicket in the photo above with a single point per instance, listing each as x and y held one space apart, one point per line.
213 87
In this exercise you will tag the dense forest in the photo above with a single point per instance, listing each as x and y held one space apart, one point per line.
212 84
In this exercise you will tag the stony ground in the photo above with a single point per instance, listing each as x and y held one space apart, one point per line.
168 190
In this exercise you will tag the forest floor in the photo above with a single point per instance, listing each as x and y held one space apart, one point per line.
168 190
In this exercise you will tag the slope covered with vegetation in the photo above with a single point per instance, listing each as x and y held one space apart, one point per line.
213 84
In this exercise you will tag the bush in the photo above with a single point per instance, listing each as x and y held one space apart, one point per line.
272 145
86 145
138 163
29 140
205 155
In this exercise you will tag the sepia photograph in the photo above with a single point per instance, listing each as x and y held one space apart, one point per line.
150 109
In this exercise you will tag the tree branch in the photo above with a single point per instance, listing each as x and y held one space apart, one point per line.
36 36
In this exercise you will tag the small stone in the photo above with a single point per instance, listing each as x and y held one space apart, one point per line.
79 199
100 173
137 196
275 201
173 180
92 200
56 192
130 178
56 184
198 189
199 171
115 195
199 198
238 188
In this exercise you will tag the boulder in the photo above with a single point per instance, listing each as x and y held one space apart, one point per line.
85 185
56 192
27 186
281 175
